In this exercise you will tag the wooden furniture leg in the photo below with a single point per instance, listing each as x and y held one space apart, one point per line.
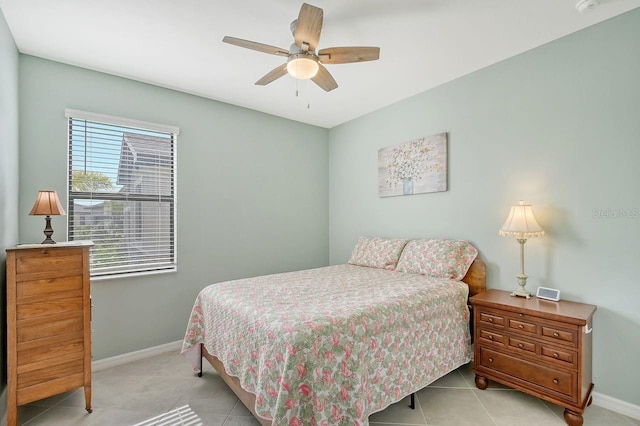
573 419
87 398
12 411
481 382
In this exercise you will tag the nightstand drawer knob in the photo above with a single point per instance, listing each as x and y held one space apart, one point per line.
556 381
555 355
490 359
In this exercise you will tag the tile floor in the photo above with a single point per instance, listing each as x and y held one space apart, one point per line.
162 391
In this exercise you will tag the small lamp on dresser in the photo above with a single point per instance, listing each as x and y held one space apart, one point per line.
521 224
47 204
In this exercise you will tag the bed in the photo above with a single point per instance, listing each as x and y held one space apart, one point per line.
332 345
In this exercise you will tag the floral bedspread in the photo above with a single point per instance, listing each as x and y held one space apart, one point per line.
330 346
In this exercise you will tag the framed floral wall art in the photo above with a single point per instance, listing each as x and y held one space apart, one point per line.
414 167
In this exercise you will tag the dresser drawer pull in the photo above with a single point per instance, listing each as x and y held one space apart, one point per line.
490 337
556 335
520 345
520 315
556 381
490 319
520 326
555 355
490 359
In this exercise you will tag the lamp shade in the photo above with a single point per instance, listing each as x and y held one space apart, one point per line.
521 223
47 204
302 66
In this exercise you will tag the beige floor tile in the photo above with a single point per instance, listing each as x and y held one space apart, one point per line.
467 375
452 407
209 394
595 415
241 421
514 408
451 380
169 364
28 412
240 410
137 393
400 413
71 416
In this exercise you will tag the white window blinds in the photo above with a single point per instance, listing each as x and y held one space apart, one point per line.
122 192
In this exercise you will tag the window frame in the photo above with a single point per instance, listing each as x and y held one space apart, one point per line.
109 120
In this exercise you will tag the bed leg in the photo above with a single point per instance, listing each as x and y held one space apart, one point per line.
413 401
201 349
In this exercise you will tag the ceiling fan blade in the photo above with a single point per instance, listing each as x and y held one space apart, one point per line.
324 79
308 27
273 75
345 55
260 47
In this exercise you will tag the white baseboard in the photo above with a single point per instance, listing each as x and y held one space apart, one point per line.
617 405
113 361
601 400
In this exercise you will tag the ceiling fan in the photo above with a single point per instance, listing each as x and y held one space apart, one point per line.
303 62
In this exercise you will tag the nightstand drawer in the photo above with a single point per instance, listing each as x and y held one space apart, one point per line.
491 318
526 327
522 345
491 336
560 335
559 355
557 381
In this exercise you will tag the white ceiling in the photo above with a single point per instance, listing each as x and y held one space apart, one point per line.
178 44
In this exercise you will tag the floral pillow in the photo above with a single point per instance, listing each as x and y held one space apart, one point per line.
377 252
437 258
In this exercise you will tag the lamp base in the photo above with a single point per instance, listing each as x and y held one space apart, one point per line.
48 231
522 282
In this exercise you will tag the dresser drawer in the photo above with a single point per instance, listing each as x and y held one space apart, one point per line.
522 326
41 309
46 290
49 373
489 317
51 348
567 358
49 326
491 336
561 382
522 345
48 260
562 336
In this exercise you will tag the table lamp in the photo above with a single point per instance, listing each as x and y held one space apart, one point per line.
521 224
47 204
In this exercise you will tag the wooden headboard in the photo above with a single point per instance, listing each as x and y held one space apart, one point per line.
476 278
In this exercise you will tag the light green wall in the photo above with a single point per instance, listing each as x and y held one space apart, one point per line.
252 194
558 126
8 181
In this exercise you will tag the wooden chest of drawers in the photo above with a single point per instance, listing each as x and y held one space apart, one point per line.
48 323
539 347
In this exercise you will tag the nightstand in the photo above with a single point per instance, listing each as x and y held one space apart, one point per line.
540 347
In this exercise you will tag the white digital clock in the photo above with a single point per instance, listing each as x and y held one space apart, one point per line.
548 293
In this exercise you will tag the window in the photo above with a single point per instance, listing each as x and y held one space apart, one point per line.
122 192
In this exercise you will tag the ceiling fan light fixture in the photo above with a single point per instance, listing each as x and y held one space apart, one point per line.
302 66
